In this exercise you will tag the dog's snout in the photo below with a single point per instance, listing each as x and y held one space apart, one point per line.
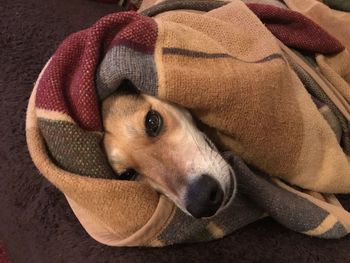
204 197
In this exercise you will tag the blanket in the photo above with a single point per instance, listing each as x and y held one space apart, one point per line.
278 139
343 5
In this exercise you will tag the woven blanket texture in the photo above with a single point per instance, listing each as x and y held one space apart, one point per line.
286 126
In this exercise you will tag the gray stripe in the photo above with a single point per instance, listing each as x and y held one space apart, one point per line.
186 229
343 5
289 209
74 149
182 228
238 214
200 54
122 63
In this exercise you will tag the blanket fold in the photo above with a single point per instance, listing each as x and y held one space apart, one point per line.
221 62
343 5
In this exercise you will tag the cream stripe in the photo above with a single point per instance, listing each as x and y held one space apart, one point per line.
324 109
157 243
326 225
53 115
215 230
332 199
317 195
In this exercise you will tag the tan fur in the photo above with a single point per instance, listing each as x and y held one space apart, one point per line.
128 146
168 162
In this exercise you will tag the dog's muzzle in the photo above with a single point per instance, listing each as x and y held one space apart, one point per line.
204 197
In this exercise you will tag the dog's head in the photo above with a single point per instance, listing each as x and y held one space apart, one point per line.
159 141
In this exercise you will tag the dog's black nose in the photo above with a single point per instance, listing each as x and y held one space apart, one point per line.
204 197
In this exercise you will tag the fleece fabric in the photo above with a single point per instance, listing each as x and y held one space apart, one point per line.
231 72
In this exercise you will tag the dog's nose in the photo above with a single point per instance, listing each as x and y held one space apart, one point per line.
204 197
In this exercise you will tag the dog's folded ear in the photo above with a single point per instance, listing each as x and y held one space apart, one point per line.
126 87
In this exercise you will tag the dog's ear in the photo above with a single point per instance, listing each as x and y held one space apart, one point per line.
126 87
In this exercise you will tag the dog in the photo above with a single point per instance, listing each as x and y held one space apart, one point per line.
151 140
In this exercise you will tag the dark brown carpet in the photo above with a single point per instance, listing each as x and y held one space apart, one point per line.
36 224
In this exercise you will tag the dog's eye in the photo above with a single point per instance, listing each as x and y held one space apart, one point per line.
129 174
153 123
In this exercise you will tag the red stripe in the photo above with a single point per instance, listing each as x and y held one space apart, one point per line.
296 30
140 35
68 83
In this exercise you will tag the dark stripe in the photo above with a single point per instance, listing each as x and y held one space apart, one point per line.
193 54
200 54
202 5
268 58
185 229
74 149
289 209
337 231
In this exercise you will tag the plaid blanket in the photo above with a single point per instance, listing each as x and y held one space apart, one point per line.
232 73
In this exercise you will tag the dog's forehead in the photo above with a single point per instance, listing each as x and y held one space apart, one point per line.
123 106
172 110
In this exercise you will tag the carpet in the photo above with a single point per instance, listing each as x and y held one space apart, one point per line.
36 223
